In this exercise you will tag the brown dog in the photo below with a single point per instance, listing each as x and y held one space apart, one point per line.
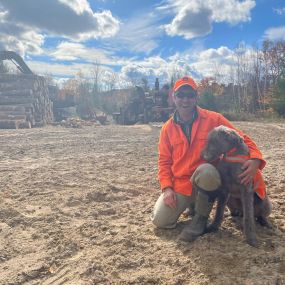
240 199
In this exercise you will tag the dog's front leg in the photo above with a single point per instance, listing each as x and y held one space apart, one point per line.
221 204
248 215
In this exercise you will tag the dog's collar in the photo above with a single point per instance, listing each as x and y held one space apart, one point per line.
232 157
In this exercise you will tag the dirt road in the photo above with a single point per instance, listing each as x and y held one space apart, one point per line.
75 207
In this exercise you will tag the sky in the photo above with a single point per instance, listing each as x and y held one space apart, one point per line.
133 39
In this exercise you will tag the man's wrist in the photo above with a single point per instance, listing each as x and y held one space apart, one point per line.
167 189
257 160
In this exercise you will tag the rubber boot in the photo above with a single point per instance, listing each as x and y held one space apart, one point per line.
203 206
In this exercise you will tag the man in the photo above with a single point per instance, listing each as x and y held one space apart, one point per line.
186 180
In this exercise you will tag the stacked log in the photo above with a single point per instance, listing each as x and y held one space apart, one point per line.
24 101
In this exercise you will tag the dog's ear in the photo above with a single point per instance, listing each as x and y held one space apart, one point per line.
232 137
235 138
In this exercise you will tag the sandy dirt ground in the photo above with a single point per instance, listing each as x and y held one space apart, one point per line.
75 207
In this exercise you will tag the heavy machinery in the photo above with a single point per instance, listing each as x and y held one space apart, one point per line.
24 96
145 107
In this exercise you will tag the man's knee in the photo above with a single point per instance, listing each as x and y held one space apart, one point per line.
161 223
207 177
166 217
160 220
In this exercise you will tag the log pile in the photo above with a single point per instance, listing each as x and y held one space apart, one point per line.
24 101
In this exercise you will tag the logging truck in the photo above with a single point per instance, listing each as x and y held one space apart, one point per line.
24 96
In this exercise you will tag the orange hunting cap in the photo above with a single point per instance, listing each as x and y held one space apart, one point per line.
186 80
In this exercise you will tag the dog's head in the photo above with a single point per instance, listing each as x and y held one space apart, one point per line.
220 140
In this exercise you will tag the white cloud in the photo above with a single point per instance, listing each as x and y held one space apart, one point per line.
220 53
138 34
213 68
231 11
279 11
194 18
55 69
188 22
209 62
217 63
72 19
276 33
78 6
137 71
156 67
198 64
70 51
26 25
20 40
62 72
59 70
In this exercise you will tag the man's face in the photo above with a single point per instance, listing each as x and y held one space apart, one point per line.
185 100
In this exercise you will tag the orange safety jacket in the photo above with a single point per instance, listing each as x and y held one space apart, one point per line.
178 159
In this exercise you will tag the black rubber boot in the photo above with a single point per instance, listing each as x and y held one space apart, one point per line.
203 206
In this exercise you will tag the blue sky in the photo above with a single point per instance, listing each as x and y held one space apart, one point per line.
131 39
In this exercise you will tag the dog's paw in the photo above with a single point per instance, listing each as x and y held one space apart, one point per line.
212 228
236 213
264 222
252 242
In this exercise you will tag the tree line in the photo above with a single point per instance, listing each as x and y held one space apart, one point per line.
256 83
253 83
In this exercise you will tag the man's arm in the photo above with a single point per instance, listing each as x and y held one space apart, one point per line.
254 152
165 174
256 160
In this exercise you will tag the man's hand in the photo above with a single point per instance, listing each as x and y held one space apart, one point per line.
249 170
169 197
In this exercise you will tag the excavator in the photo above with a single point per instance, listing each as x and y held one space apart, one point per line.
16 59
